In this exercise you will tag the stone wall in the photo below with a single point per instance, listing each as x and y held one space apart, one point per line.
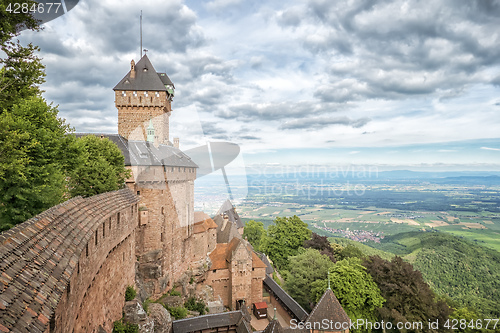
135 109
165 237
220 282
240 268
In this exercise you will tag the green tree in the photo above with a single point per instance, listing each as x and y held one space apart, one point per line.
284 238
408 297
322 244
22 71
305 268
34 150
254 232
34 154
350 251
100 169
354 288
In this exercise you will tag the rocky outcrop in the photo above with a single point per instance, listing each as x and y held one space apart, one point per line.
194 276
161 318
149 276
133 313
172 301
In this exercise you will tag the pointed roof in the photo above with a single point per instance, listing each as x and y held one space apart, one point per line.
328 308
146 78
222 255
228 209
225 231
273 327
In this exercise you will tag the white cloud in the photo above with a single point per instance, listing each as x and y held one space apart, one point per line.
273 75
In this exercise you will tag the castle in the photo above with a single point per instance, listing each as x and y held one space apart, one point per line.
66 270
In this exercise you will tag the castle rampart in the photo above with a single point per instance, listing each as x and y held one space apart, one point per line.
66 269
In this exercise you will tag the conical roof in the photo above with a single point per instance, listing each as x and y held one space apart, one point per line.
146 78
329 308
273 327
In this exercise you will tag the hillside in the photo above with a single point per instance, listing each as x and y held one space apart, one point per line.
365 249
466 272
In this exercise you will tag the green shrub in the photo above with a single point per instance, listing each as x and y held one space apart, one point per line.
145 305
130 293
174 292
195 305
178 312
120 327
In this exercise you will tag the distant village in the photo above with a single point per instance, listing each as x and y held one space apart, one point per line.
356 235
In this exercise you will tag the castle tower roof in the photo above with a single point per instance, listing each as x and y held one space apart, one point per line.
273 327
228 209
328 308
145 78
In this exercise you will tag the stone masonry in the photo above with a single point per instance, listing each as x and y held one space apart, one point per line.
66 269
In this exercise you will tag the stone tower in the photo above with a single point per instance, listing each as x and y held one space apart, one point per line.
144 94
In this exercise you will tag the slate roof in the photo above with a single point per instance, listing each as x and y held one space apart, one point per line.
244 327
328 308
232 318
228 209
146 78
286 299
269 267
38 257
165 79
145 153
273 327
227 232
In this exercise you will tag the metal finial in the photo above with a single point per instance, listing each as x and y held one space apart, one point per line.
329 280
140 49
145 51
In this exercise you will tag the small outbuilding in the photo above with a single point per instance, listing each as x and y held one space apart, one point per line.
260 310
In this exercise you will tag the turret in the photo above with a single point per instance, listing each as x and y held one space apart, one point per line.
143 95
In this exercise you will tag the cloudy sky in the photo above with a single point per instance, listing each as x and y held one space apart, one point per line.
413 84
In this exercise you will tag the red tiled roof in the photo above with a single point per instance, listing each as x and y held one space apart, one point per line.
218 256
256 262
260 305
202 222
222 253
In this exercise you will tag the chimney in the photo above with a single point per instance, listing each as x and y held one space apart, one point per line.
176 143
132 69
